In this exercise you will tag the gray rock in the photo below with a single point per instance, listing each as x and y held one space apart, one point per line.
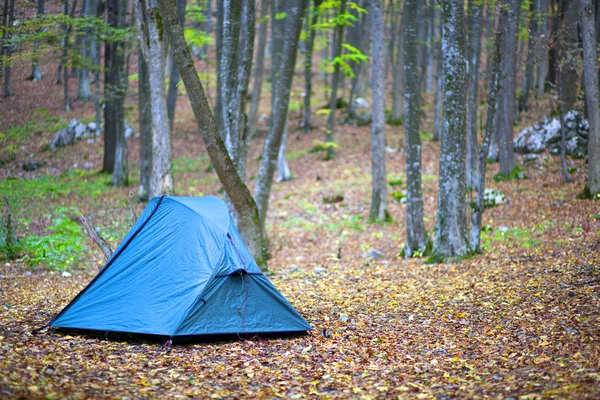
546 135
66 137
373 254
364 119
81 131
531 157
319 270
360 103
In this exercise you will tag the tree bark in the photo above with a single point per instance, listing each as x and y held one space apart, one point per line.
36 72
439 80
451 225
477 216
379 210
306 124
279 115
506 94
528 77
153 46
542 45
8 50
249 223
174 77
339 38
416 237
475 30
570 54
590 67
145 128
397 111
259 68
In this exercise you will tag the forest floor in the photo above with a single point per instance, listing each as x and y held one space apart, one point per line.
522 320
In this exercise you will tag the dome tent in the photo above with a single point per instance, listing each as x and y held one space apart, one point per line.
182 270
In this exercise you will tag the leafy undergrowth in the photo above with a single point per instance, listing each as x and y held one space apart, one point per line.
520 320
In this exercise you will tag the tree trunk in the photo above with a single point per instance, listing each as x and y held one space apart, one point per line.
590 67
249 223
360 81
153 46
397 111
416 238
145 129
476 218
339 38
306 124
528 77
84 90
555 16
259 69
115 103
570 54
4 35
379 211
65 57
36 72
439 80
542 45
474 32
174 78
279 116
8 50
506 94
451 224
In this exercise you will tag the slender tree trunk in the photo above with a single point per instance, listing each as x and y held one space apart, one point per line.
568 75
474 33
8 51
379 209
397 111
439 79
507 95
36 72
279 116
339 38
65 57
360 81
84 90
562 62
208 24
4 36
590 66
451 223
174 77
249 222
145 118
153 46
542 45
416 238
306 124
555 17
528 78
259 69
476 218
120 171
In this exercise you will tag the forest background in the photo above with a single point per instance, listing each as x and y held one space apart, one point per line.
370 154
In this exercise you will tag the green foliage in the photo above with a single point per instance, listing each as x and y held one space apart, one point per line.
197 38
395 181
61 248
516 174
319 146
194 14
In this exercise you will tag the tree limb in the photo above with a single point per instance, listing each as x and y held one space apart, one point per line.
94 235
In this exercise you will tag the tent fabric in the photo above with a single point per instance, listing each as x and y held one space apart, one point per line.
182 269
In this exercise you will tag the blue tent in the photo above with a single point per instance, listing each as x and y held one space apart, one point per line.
183 269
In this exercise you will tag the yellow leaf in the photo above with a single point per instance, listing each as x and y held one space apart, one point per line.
541 359
33 388
382 388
